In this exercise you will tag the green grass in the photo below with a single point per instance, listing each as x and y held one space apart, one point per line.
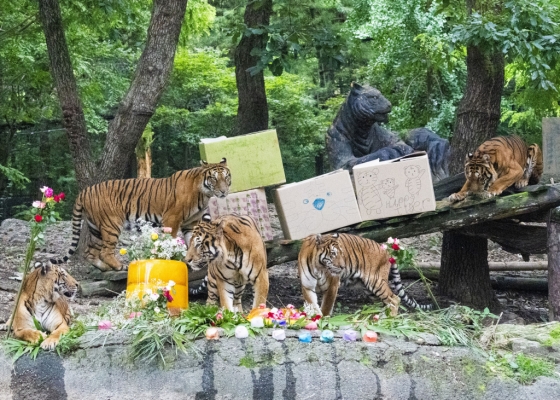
523 368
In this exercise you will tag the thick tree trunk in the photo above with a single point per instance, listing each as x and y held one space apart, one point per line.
139 103
554 264
467 276
252 111
144 165
478 115
73 118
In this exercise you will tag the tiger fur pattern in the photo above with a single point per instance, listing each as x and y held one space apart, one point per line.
43 299
232 248
177 202
327 261
498 164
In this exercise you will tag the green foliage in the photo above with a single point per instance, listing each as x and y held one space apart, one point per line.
15 176
17 348
523 368
69 342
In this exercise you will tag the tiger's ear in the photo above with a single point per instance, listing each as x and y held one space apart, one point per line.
223 162
486 157
202 162
469 156
335 235
45 267
206 218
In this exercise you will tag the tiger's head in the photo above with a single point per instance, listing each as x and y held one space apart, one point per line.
535 163
55 282
329 253
205 243
217 179
479 171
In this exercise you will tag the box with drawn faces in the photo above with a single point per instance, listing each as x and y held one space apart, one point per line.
316 205
395 187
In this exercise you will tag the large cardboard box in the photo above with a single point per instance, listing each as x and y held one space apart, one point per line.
316 205
395 187
251 202
254 159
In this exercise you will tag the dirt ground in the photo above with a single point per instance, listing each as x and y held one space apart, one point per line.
518 306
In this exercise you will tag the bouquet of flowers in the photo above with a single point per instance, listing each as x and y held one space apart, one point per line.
155 243
399 255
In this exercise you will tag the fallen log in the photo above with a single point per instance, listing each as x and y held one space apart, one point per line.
499 265
446 217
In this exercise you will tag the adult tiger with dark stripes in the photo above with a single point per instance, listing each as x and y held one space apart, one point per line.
499 163
177 202
232 248
327 261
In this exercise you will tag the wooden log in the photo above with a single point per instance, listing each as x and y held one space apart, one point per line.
102 288
446 217
498 265
497 282
554 264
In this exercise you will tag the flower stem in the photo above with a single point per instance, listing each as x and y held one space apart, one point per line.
27 262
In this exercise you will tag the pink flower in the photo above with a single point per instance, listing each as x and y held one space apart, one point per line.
167 295
395 246
166 229
384 246
104 325
290 307
135 314
376 317
180 241
392 260
219 316
38 204
38 218
49 192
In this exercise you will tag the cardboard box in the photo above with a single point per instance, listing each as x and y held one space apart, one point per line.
317 205
251 202
254 159
395 187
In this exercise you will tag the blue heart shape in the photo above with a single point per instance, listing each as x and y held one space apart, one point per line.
319 204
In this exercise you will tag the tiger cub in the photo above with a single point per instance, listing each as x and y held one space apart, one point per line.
499 163
43 301
326 261
177 202
232 248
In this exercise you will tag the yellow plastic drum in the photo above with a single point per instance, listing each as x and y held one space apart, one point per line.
154 274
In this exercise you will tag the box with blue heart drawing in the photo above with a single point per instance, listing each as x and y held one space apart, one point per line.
316 205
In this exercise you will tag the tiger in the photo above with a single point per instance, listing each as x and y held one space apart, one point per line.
44 299
177 202
233 249
326 261
499 163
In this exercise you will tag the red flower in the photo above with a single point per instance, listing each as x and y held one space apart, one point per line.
167 295
392 260
38 218
56 198
315 318
61 196
395 246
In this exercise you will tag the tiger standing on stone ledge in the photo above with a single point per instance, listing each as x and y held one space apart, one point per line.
499 163
177 202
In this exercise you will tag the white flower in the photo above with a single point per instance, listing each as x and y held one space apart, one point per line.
148 291
171 283
390 240
154 296
157 310
384 246
43 189
396 241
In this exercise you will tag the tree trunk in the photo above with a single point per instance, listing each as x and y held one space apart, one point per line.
252 111
139 103
478 115
467 276
144 165
554 264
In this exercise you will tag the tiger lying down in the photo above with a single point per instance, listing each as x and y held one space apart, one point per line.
44 300
499 163
326 261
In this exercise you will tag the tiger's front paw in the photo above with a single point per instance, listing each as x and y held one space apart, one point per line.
491 193
455 197
521 184
49 343
34 336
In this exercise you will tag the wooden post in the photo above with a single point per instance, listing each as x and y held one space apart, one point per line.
554 264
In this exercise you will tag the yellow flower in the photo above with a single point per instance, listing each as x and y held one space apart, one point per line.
122 251
155 236
49 199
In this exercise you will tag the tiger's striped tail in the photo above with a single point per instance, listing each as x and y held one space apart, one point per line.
76 229
397 287
201 289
